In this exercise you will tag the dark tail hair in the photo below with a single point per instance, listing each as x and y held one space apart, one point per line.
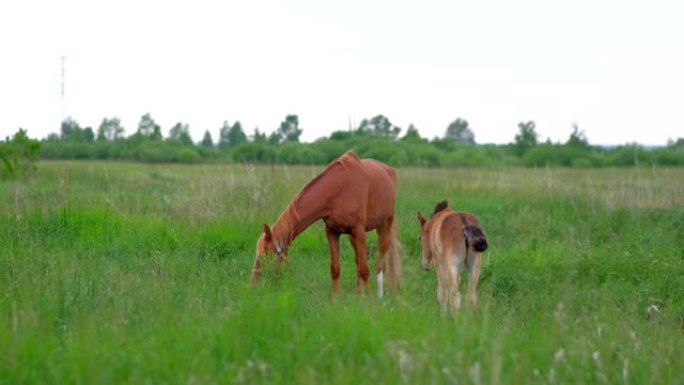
475 236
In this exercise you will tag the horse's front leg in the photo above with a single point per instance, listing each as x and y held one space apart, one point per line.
334 243
358 241
256 270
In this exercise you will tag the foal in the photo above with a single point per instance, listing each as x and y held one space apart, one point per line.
450 240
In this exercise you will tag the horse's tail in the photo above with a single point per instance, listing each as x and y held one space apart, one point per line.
473 233
476 237
393 262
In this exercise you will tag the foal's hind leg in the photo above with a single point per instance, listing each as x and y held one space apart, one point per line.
454 293
455 261
358 241
443 284
473 263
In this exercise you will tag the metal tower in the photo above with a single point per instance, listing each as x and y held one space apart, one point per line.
62 95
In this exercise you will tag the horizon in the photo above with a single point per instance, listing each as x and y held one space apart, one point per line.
215 138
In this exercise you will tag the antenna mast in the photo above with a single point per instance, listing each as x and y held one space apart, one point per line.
62 94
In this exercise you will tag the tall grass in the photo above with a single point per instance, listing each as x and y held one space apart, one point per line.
127 273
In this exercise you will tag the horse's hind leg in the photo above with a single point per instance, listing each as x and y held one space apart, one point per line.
358 241
334 243
473 263
384 245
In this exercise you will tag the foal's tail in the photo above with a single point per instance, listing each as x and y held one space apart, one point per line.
393 262
475 236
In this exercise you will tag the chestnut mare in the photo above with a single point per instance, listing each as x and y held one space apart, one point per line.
352 196
449 240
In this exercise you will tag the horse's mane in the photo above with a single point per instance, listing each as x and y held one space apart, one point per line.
291 214
345 159
439 207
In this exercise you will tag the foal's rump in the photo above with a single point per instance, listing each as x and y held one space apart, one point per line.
466 228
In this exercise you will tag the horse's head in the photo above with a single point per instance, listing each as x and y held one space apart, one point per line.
267 245
424 238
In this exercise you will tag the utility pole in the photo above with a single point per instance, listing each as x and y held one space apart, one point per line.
62 96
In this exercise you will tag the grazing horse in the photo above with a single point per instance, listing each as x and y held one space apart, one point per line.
352 196
449 240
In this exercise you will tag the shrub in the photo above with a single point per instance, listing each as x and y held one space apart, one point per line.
18 156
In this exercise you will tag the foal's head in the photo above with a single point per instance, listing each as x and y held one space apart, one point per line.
424 238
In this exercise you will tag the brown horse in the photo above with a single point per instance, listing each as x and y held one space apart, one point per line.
352 196
449 240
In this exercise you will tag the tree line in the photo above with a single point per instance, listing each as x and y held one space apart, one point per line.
375 137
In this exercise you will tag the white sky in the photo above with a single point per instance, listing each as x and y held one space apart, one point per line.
614 67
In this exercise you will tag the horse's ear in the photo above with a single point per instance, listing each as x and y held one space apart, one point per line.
267 233
420 218
440 206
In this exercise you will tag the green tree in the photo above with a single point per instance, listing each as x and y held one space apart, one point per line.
459 131
379 125
274 138
289 130
207 141
180 132
88 134
257 136
577 138
148 128
412 133
231 136
224 135
110 130
71 131
237 134
676 144
526 137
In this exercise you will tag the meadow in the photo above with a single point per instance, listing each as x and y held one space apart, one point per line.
117 273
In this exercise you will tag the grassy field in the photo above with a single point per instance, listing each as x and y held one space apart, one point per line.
130 273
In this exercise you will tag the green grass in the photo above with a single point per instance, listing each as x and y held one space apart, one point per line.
129 273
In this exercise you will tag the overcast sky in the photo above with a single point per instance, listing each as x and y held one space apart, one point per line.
616 68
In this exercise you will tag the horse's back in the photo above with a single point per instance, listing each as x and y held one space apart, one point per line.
381 169
382 181
365 190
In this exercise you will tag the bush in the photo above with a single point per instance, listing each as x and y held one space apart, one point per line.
254 152
298 153
188 155
18 156
668 157
423 155
331 149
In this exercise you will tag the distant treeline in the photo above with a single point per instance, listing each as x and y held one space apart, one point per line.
375 138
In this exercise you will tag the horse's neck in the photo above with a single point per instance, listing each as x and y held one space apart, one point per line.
304 210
